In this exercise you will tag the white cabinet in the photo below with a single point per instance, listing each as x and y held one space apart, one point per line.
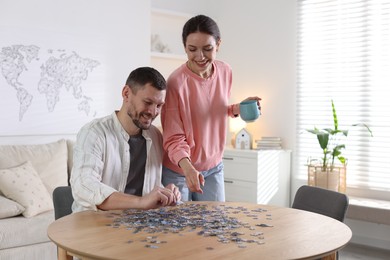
257 176
166 46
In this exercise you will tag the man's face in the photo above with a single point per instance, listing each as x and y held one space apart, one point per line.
145 105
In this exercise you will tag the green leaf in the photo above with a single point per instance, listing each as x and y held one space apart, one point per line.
337 150
323 139
342 159
314 131
329 130
335 121
366 126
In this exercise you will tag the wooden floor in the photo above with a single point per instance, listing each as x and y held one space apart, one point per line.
357 252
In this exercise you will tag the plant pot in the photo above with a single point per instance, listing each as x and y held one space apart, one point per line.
331 178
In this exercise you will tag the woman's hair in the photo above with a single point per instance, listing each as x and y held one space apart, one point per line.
203 24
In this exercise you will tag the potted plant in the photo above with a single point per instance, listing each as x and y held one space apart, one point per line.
328 172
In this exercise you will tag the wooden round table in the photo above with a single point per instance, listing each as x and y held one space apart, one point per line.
292 234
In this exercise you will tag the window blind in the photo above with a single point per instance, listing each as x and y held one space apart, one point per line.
344 56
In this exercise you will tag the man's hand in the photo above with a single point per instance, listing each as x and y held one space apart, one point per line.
175 191
158 197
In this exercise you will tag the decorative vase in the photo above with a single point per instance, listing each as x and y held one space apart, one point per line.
330 177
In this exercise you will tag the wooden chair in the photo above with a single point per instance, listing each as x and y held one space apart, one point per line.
326 202
62 200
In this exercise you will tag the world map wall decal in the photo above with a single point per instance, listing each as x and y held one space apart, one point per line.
60 70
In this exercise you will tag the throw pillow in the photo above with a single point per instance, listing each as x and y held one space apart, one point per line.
9 208
49 160
23 185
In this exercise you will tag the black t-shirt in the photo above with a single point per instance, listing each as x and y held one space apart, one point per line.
135 179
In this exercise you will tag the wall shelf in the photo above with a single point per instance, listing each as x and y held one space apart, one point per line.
171 13
166 28
164 55
166 46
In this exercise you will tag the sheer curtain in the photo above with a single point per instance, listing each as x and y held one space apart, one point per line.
344 56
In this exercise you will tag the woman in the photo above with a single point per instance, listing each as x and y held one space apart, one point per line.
194 117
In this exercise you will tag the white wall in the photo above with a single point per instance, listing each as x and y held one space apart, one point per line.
109 32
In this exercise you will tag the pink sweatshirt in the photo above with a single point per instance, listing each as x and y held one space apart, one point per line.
194 117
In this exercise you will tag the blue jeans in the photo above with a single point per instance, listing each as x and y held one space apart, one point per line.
213 190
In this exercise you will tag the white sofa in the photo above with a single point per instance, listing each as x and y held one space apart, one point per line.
28 176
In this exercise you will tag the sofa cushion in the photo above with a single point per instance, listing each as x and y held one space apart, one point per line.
23 185
49 160
40 251
9 208
21 231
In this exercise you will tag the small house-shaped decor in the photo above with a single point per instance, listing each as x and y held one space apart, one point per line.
243 140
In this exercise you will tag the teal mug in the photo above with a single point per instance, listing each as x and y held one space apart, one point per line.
249 111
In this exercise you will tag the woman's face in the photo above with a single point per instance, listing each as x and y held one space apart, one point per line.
201 49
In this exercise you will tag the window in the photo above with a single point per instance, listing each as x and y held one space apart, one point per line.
344 56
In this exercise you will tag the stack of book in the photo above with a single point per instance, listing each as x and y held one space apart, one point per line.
269 143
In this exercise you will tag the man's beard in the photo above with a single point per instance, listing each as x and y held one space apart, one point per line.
138 123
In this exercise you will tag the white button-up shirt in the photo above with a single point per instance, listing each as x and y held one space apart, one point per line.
101 162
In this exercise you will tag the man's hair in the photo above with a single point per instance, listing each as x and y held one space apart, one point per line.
139 77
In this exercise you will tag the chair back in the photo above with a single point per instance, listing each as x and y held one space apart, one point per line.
62 200
318 200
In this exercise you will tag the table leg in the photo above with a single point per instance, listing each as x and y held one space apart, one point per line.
332 256
62 254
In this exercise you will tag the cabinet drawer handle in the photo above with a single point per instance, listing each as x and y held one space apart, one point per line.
228 158
228 181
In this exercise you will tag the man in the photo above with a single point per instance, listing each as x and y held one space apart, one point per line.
117 160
